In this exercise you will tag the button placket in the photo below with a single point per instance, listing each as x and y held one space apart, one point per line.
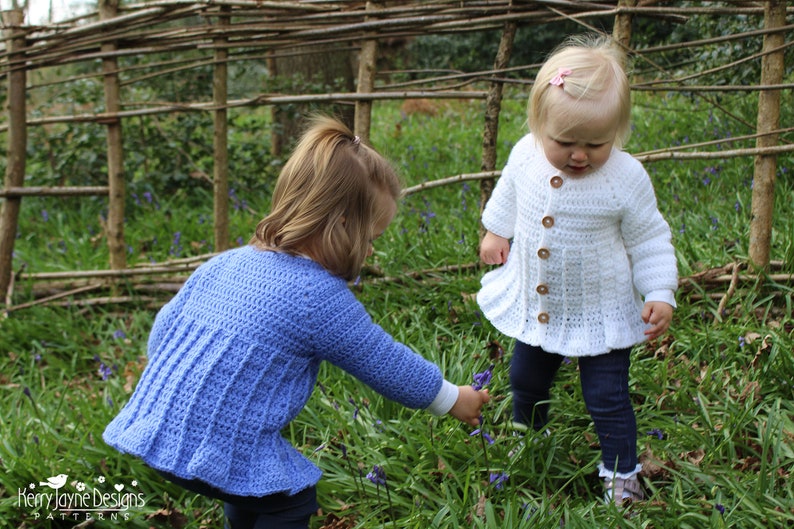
547 221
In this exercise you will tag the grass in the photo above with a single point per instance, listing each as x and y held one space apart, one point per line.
714 398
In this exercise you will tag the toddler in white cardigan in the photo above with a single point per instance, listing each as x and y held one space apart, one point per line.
587 268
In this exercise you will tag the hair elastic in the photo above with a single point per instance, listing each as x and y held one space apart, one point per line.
559 79
356 140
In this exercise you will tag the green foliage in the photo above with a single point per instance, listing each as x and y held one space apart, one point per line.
475 51
713 398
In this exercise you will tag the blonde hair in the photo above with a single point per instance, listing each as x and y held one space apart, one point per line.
327 199
596 87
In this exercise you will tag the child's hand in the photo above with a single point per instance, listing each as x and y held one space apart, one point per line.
469 405
494 249
659 315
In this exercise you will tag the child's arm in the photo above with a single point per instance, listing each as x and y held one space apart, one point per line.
494 249
469 405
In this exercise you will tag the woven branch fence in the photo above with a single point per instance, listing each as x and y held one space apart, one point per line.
217 33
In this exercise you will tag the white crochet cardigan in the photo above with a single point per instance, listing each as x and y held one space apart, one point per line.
585 251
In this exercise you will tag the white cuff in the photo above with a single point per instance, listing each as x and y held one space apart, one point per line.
446 398
665 296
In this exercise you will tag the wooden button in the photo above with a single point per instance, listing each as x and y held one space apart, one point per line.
543 317
544 253
556 182
542 289
547 221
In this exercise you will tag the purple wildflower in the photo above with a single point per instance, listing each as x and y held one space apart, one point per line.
498 479
377 475
105 371
484 434
483 379
119 334
720 508
657 432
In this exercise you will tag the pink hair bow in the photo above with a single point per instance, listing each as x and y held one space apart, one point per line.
559 79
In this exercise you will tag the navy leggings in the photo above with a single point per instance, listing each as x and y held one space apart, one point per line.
605 388
276 511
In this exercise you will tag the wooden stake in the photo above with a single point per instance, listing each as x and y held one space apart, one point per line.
17 142
762 207
493 107
220 184
367 67
108 9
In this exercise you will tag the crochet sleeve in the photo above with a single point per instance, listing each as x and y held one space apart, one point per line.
648 240
345 335
499 215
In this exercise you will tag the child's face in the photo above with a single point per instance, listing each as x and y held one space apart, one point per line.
387 208
578 151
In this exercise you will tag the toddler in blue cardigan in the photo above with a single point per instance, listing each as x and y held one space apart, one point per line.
234 356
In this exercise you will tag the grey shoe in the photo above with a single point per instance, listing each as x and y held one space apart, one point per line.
619 490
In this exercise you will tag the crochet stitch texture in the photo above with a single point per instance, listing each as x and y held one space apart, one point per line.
584 253
234 357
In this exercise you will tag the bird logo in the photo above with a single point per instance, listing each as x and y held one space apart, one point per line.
55 482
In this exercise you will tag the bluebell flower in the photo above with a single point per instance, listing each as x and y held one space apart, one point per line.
498 479
483 379
377 475
105 371
484 434
657 432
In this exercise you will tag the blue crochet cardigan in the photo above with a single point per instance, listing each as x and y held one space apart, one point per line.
233 358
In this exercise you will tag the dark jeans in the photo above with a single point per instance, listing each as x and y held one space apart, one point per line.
276 511
605 388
